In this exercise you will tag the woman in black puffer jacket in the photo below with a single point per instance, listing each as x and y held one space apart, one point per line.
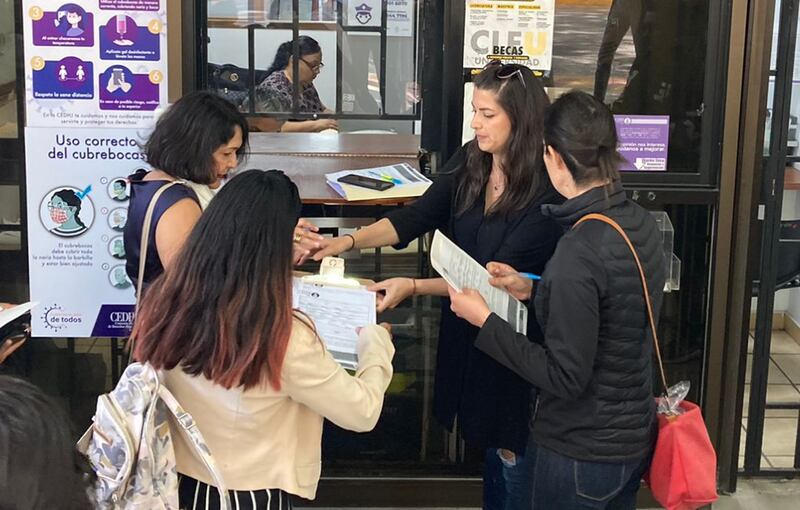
594 427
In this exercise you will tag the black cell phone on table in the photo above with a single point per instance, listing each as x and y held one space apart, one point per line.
366 182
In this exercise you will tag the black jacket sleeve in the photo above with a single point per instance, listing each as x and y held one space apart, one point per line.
433 209
571 322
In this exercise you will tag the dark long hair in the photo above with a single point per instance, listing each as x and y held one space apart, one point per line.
224 308
39 466
306 45
71 199
582 130
187 134
525 105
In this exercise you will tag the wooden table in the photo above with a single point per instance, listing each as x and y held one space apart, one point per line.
307 157
791 179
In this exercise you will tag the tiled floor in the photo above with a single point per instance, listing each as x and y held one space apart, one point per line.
750 495
780 426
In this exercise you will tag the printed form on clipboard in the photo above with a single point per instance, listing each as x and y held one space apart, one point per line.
463 272
338 306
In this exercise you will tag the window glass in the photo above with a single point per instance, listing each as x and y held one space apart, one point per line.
8 72
641 57
341 50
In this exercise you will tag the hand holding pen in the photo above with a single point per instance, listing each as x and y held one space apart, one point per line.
503 276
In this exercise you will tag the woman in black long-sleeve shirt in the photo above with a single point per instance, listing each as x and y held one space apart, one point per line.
488 200
594 429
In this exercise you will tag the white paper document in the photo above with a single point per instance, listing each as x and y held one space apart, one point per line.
463 272
336 312
9 314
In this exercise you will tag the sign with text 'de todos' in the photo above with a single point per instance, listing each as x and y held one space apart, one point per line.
96 80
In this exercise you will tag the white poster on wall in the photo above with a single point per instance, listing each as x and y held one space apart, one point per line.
519 32
77 209
95 74
98 63
400 18
363 13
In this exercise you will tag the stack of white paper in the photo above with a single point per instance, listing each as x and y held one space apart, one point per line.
408 182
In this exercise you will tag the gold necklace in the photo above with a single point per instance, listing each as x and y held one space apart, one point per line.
497 186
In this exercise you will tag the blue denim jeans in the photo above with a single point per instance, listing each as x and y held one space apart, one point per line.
568 484
506 485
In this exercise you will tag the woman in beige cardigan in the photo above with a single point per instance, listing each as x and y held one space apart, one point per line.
254 374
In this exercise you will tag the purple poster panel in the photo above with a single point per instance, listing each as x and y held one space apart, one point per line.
69 25
130 5
122 39
68 78
121 89
643 140
114 321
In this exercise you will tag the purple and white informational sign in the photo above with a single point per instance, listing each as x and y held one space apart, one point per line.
95 76
130 5
69 25
95 63
643 140
120 89
69 78
122 39
77 202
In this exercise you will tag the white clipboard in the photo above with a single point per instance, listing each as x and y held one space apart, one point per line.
338 306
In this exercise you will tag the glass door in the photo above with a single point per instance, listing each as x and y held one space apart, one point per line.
770 433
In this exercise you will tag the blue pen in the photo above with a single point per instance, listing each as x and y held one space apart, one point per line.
531 276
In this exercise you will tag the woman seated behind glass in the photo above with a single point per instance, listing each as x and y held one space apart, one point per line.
276 92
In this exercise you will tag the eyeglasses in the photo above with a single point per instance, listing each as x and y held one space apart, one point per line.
506 71
315 68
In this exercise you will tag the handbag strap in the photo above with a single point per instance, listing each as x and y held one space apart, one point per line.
605 219
196 441
148 220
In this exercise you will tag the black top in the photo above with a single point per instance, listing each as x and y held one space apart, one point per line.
141 194
594 371
492 403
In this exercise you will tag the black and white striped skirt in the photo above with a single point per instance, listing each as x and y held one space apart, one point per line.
196 495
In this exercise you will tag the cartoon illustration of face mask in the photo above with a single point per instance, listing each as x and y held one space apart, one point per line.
119 248
60 212
120 279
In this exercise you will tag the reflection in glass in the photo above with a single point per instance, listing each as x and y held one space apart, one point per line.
350 56
8 72
361 70
641 58
309 10
227 64
227 8
275 92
